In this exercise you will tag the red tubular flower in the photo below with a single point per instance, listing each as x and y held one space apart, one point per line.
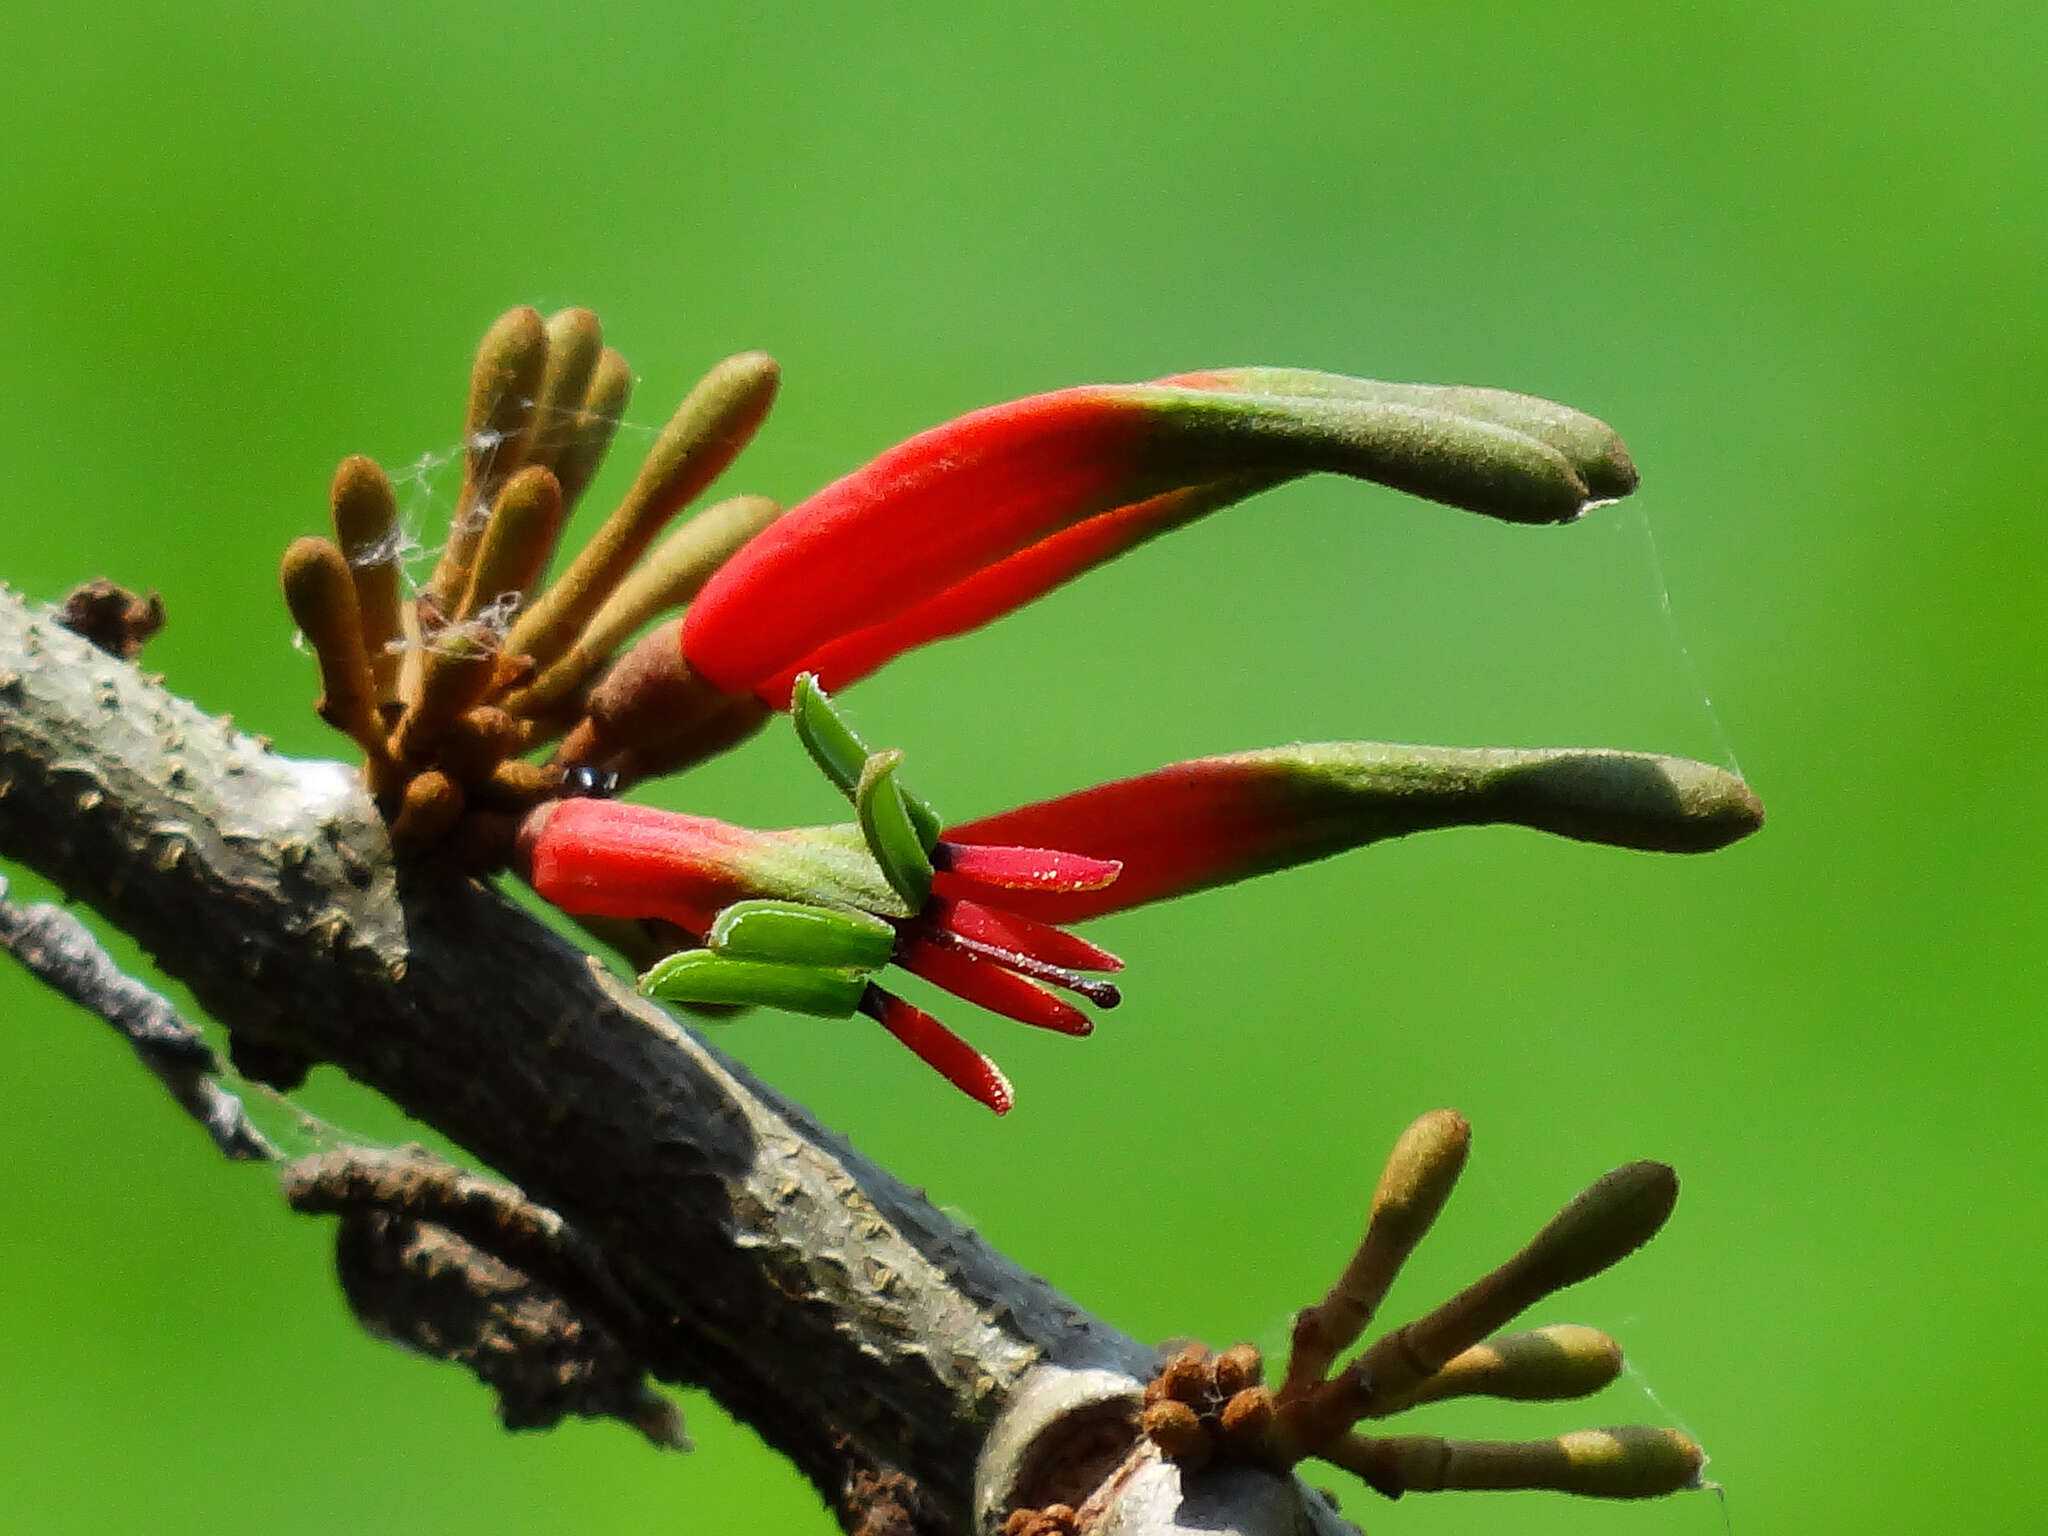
968 520
606 858
1193 825
987 934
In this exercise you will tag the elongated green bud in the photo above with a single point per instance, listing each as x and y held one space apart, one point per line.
1632 1462
365 511
575 343
524 524
699 976
715 421
509 363
1543 1365
892 836
798 933
1419 1176
321 594
1613 1217
611 387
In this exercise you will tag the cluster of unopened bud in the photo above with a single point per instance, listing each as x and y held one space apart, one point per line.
1053 1520
452 690
1205 1408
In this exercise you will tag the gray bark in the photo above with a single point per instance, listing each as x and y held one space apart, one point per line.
856 1327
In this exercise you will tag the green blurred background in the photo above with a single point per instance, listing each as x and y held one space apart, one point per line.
1793 253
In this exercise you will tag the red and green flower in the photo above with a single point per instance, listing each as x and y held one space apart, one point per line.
766 612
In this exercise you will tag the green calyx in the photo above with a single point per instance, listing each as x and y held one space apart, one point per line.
704 976
794 932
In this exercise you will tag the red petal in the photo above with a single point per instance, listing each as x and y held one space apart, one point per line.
1009 930
924 516
974 869
930 513
1180 829
940 1049
989 986
1008 585
611 858
1208 822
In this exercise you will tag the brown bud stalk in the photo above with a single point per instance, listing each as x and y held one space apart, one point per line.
455 675
1632 1462
321 594
477 743
666 579
714 422
649 696
365 511
1419 1176
431 806
510 362
1610 1220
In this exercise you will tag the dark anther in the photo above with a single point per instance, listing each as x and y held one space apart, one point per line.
586 782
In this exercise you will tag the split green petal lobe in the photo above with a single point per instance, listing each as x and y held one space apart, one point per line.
892 833
827 734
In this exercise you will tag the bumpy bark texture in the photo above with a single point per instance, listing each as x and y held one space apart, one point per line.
919 1378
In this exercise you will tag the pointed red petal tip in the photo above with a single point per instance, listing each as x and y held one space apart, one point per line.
940 1049
1022 935
988 984
965 866
1179 829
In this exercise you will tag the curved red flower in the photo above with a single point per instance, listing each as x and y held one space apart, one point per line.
913 546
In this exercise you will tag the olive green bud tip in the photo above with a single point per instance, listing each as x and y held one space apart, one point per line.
314 574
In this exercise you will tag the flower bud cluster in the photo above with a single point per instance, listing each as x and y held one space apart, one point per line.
1204 1408
450 691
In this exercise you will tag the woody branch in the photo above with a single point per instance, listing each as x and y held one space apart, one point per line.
858 1329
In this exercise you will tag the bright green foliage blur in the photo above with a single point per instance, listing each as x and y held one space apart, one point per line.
1794 253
